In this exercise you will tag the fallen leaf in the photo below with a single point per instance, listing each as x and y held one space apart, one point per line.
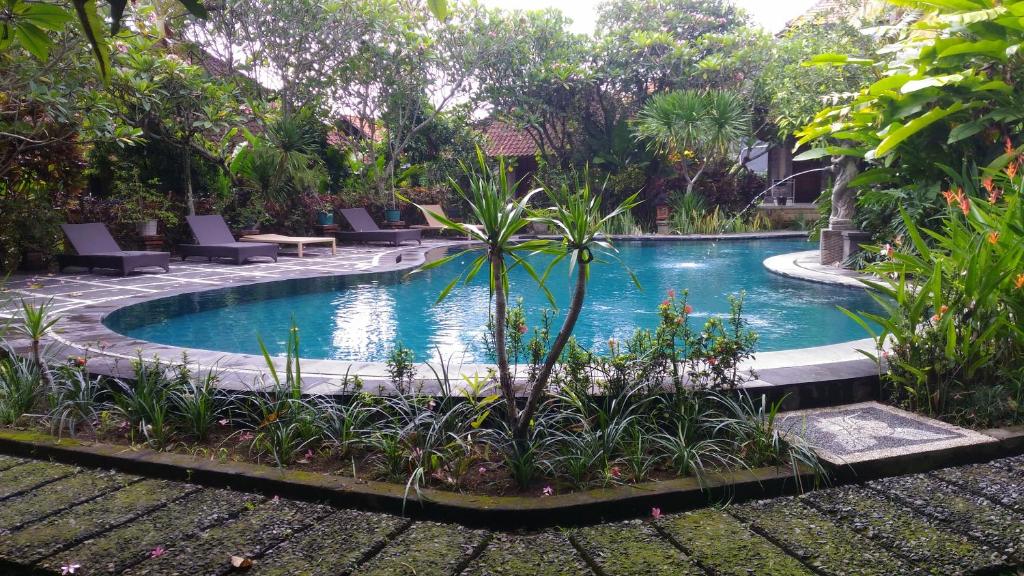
241 562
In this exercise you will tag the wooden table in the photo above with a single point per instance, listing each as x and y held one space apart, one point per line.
298 241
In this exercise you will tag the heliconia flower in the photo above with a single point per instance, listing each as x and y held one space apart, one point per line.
157 552
943 309
936 318
688 309
655 513
1010 150
1011 170
993 237
994 196
1019 281
965 205
950 197
988 184
547 491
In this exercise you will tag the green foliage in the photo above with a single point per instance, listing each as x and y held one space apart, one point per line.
693 128
401 368
950 337
690 215
21 387
941 93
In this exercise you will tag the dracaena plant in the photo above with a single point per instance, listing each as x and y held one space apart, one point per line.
576 215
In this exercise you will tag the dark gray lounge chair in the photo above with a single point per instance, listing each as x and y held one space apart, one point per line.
97 249
214 240
366 230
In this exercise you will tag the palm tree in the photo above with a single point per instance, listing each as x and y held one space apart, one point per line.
693 128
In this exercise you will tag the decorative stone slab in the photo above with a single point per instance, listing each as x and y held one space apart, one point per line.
921 542
10 462
54 497
543 554
426 549
726 547
336 545
829 548
632 549
872 431
115 551
994 481
74 525
248 536
959 511
18 479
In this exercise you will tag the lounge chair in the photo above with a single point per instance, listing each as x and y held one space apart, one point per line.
433 224
97 249
366 230
214 240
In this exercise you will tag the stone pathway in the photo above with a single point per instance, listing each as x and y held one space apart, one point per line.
966 520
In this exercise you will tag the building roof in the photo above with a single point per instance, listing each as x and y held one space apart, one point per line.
503 139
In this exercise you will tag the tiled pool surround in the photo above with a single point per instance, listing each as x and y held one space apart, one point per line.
812 376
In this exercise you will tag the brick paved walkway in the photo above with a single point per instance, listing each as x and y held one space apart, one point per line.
966 520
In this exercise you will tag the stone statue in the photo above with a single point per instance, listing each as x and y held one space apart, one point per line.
844 198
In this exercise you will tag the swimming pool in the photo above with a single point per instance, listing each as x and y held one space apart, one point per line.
362 317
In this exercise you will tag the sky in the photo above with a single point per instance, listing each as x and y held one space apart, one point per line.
770 14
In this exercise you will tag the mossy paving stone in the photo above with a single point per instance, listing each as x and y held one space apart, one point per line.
993 481
724 545
425 549
544 554
959 511
54 497
249 536
632 549
828 547
10 462
36 541
27 476
900 529
334 546
125 546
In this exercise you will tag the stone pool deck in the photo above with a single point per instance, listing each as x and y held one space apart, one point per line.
806 377
964 520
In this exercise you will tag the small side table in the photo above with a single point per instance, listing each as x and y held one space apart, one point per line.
153 243
326 229
395 225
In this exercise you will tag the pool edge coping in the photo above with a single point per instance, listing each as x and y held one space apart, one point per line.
111 353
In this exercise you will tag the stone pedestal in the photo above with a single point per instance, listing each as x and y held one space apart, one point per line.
839 244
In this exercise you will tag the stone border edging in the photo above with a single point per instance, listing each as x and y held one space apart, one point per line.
497 512
802 266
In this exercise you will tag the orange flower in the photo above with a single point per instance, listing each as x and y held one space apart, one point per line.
963 201
1010 150
688 309
950 196
993 238
994 196
988 184
1019 281
1011 170
943 309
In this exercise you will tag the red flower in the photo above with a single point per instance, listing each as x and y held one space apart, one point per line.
671 293
522 328
993 238
655 513
950 196
965 205
688 309
994 196
1011 170
1010 150
988 184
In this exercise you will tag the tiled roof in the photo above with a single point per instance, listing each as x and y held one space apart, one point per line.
354 127
506 140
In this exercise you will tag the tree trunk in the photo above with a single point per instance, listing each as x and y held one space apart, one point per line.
190 197
575 306
500 311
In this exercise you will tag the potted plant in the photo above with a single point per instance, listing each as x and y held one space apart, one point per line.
251 215
140 203
322 206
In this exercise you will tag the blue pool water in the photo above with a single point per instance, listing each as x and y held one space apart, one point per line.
361 318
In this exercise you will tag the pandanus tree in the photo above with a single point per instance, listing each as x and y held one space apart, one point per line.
498 217
693 128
